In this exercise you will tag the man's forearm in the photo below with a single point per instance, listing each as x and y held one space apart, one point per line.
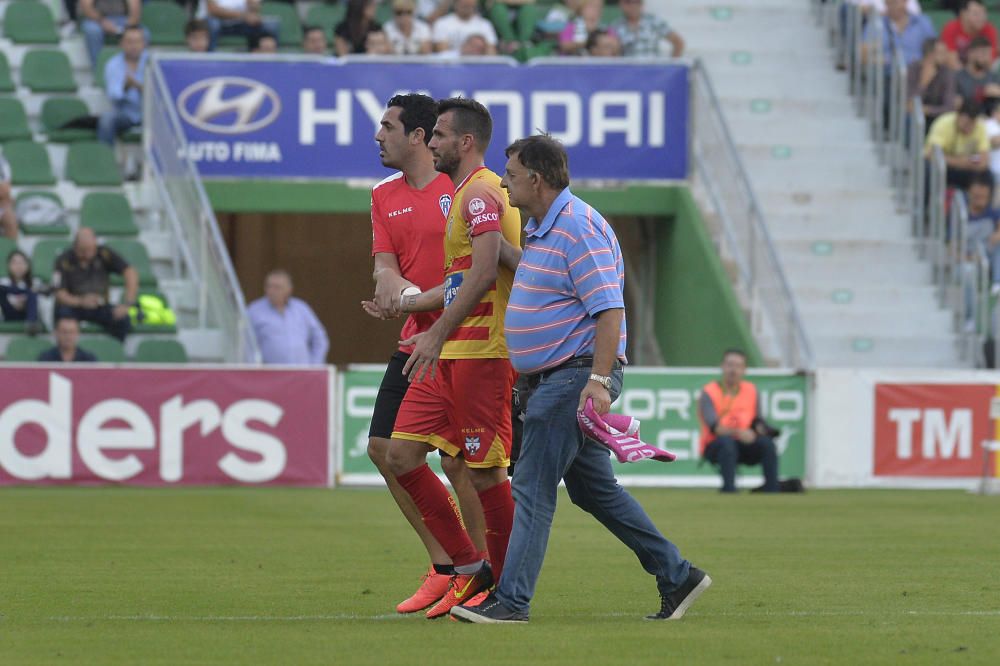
475 284
609 324
131 286
432 299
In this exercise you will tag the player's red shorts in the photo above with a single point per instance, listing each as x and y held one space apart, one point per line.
464 409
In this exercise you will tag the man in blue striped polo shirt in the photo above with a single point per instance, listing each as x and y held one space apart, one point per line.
565 328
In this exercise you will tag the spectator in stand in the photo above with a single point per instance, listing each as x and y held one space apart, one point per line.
959 32
266 44
992 107
961 135
8 215
603 43
983 235
287 329
642 34
19 292
376 43
451 31
103 18
974 80
933 80
197 36
350 34
236 17
67 349
473 46
900 29
573 38
123 79
408 34
430 11
81 278
314 40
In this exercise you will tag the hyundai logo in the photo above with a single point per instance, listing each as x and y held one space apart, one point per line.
229 105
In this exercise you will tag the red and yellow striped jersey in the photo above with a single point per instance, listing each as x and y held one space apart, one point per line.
480 205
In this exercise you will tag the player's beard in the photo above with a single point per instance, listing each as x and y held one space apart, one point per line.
447 163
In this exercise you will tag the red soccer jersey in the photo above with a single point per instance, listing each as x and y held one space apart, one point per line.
409 223
956 39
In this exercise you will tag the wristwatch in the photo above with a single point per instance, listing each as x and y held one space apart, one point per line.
602 380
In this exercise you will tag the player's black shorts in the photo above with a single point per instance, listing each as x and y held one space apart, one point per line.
390 396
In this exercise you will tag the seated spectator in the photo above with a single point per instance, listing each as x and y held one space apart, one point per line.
123 79
604 44
350 34
430 11
992 123
81 278
573 38
376 43
8 215
450 32
196 34
642 33
473 46
982 234
899 28
407 34
557 16
959 32
106 18
879 6
314 40
236 17
265 44
19 292
973 80
287 329
732 431
932 80
67 348
961 135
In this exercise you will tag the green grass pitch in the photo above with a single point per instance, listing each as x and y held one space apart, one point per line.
245 576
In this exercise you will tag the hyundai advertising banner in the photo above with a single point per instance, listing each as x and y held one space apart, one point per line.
291 118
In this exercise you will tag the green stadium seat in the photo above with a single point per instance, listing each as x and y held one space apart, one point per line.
29 23
6 247
611 14
29 162
92 164
108 214
43 257
383 13
106 349
290 32
939 17
326 16
135 254
45 70
13 120
26 350
6 80
165 21
106 54
60 229
161 351
57 111
16 327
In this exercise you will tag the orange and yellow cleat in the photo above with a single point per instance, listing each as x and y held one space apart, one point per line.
433 587
463 588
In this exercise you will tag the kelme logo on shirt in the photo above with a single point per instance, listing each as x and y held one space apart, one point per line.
445 203
477 206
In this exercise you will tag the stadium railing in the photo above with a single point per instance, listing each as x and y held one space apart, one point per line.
762 284
206 260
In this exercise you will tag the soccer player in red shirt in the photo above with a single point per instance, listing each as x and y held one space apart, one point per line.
408 222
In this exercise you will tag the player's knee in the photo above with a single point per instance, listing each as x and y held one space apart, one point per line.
401 458
484 478
728 447
378 450
455 469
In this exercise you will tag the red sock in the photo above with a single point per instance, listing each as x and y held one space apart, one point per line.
440 513
498 509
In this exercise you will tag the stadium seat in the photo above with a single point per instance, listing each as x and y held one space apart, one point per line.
108 214
135 254
6 80
103 57
29 23
29 162
43 257
57 111
610 14
45 70
59 229
290 32
939 17
161 351
106 349
26 350
326 16
165 21
383 13
6 247
13 120
92 164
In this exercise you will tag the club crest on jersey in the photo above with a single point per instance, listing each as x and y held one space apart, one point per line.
477 206
472 445
445 203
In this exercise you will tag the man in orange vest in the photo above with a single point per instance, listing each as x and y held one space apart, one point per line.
731 431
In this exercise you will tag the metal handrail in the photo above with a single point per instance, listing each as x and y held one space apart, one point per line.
756 256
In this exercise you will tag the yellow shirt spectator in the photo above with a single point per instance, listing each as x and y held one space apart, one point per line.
958 135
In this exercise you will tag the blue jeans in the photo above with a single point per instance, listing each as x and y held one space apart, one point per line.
555 449
112 123
93 35
726 452
219 27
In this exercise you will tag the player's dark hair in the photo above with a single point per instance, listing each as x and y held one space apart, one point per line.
417 112
738 352
470 117
545 156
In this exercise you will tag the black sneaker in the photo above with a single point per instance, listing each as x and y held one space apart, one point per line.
675 604
490 611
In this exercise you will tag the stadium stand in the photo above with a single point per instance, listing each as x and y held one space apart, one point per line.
108 214
29 23
57 111
49 228
91 163
106 349
29 163
25 350
161 351
47 70
13 121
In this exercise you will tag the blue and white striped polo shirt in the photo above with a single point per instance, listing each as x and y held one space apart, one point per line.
571 270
